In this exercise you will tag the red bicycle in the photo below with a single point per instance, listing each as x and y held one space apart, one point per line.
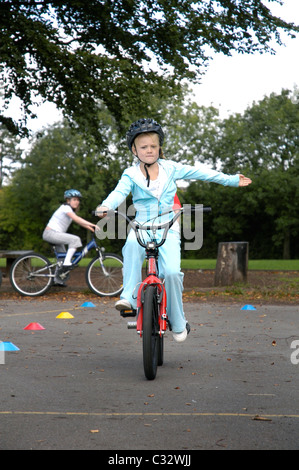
152 320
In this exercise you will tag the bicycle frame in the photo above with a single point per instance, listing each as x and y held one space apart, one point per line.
76 258
152 279
79 254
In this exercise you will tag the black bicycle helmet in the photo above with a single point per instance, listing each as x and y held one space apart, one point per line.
142 126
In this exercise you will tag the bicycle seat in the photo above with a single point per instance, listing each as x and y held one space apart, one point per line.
54 245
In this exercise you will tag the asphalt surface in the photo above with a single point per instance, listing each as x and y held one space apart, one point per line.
79 383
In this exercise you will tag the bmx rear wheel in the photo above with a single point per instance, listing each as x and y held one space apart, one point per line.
31 275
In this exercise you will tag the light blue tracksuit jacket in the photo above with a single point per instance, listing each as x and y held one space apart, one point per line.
148 206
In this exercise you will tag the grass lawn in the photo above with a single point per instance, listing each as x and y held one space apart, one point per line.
268 264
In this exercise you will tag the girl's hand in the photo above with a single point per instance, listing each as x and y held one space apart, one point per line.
243 181
100 211
91 227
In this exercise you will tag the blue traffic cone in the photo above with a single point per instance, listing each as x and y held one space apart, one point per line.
88 304
248 307
7 346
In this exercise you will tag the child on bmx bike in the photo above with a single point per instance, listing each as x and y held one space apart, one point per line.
55 231
152 182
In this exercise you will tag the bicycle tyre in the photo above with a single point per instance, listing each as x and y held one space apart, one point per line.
31 275
108 283
160 350
150 334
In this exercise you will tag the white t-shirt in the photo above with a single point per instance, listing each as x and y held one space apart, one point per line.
156 188
60 221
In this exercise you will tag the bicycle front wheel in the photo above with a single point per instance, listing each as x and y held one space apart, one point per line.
104 275
31 275
151 337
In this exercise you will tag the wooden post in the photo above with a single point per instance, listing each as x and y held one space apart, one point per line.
232 263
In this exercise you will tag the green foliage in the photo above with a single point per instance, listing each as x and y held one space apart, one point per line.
9 152
120 53
59 160
262 144
266 136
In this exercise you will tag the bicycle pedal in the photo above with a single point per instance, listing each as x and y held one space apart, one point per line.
128 313
64 276
132 325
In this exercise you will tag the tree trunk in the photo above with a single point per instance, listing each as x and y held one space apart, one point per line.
232 263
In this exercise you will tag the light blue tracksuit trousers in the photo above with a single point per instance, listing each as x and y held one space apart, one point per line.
169 263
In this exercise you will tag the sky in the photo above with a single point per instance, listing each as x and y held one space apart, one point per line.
232 84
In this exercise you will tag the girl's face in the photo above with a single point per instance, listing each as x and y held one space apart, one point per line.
146 147
74 202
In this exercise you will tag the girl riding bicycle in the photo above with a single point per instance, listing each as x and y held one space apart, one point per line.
55 232
152 182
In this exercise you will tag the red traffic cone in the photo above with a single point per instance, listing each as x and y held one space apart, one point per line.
34 326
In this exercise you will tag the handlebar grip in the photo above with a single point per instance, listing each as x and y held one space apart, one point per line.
201 209
102 212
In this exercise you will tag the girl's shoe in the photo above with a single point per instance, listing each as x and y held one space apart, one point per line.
180 337
123 304
59 282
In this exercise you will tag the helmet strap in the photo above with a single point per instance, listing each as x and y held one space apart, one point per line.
147 173
146 165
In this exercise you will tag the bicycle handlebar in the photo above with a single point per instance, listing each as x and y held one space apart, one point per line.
166 225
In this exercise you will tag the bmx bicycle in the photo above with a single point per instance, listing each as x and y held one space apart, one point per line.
33 274
151 314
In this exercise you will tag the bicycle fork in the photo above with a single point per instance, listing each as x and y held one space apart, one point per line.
100 257
151 280
163 319
162 302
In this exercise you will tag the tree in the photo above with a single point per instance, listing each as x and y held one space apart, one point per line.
119 52
61 158
265 136
262 143
190 130
58 160
10 153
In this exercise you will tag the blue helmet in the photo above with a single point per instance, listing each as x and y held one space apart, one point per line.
72 193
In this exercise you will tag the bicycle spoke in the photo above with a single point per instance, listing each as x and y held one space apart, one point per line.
31 275
105 276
